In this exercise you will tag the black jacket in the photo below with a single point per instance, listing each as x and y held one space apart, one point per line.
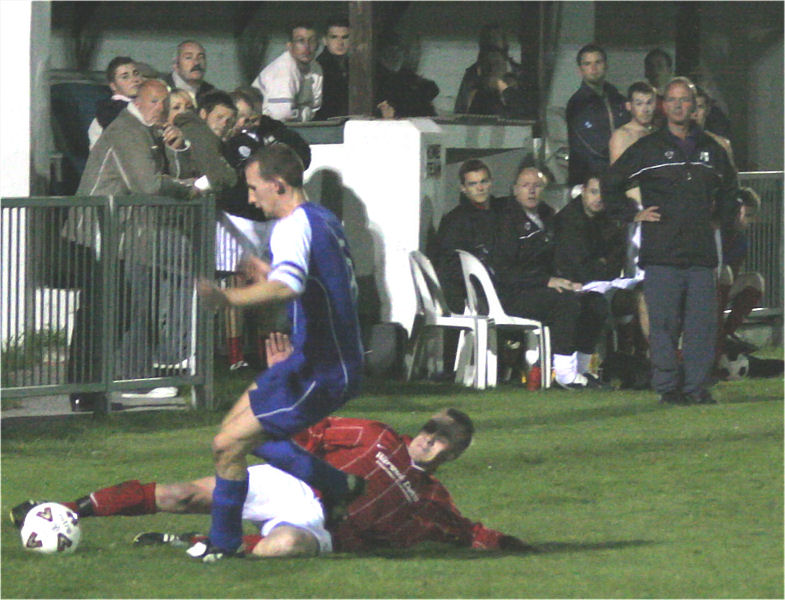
469 228
523 252
690 191
106 110
589 129
588 249
335 87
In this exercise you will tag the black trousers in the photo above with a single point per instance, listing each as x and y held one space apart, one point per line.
575 319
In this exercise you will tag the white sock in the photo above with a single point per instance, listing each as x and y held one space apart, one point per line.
584 360
564 366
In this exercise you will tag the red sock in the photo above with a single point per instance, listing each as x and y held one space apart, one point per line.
742 305
250 541
128 498
235 348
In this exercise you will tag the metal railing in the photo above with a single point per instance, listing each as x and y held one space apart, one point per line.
98 295
765 235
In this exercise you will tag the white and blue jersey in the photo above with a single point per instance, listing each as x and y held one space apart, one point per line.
311 256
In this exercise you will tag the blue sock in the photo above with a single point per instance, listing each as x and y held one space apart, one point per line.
289 457
226 529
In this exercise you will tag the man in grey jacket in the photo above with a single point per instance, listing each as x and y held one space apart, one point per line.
134 155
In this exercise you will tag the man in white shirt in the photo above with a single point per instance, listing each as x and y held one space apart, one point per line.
292 83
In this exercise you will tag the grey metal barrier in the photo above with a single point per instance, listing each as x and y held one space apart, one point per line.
765 238
98 295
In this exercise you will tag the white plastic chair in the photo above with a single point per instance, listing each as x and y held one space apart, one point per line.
473 268
479 344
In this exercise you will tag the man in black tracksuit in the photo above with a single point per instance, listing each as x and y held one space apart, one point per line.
686 181
592 114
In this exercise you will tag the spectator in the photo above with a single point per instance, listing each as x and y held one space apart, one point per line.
254 96
205 132
641 100
334 60
497 91
292 83
400 91
124 81
188 69
590 250
593 112
471 226
178 101
703 105
527 286
245 112
686 181
492 39
127 159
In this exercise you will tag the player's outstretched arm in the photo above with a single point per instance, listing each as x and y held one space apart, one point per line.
260 292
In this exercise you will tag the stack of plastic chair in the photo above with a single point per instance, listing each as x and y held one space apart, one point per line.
475 273
478 349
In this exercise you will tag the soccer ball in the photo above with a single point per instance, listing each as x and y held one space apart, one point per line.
733 366
51 528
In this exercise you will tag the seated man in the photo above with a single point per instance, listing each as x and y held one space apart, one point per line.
292 83
124 81
188 68
403 505
528 286
334 60
591 249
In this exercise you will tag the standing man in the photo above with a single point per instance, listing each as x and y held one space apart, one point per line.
641 103
334 60
312 271
593 112
292 83
188 69
686 181
124 81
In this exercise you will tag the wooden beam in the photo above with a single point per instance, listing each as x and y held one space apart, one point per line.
361 59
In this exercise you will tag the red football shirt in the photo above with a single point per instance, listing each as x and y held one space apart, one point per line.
402 504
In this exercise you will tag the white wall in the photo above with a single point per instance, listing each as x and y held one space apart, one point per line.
766 100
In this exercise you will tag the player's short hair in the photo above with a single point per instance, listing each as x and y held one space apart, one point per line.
590 176
681 80
114 64
467 426
278 160
590 48
299 24
213 98
473 164
640 87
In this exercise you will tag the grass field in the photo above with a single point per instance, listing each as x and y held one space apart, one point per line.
625 498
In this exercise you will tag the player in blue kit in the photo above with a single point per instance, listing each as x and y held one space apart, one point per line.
312 271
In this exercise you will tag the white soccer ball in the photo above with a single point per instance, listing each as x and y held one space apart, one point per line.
733 367
51 528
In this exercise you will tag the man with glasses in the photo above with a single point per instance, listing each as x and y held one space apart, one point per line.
687 183
292 83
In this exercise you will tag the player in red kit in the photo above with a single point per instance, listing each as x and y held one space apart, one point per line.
403 503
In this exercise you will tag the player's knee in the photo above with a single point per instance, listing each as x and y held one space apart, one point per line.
286 540
225 447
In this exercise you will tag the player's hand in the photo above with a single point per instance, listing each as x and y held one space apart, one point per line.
650 214
211 294
254 268
278 348
511 543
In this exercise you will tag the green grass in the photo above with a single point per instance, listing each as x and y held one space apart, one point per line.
626 498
